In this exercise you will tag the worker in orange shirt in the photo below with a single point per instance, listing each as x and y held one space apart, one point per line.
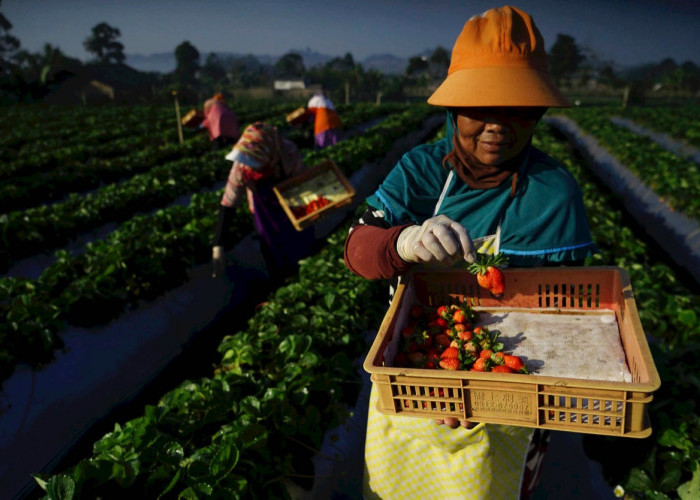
327 123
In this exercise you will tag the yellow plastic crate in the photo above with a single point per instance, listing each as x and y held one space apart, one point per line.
192 118
558 403
323 179
296 116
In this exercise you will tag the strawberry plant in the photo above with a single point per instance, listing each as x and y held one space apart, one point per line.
662 466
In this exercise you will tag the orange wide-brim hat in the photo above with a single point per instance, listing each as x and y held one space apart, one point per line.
499 59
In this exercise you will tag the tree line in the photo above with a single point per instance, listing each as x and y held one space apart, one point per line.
28 76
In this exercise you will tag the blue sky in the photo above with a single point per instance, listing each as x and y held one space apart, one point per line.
625 31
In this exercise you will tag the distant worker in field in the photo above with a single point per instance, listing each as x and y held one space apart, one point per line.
261 159
485 185
220 121
327 124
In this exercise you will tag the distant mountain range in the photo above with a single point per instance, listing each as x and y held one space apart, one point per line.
164 62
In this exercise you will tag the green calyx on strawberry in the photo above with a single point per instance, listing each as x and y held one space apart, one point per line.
487 269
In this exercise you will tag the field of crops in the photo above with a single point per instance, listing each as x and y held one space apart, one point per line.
279 383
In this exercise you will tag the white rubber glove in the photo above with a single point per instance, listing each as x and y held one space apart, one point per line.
218 261
439 239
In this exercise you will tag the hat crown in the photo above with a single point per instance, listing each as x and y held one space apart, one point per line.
504 36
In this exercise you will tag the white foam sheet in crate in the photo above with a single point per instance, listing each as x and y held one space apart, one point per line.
576 344
584 345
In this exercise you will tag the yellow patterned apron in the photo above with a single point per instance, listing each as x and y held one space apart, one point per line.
414 458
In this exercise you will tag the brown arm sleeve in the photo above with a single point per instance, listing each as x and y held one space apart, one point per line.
370 252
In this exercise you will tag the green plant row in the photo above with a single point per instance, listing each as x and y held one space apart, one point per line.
27 232
55 173
44 228
255 423
674 179
666 465
95 286
52 153
169 450
678 121
26 125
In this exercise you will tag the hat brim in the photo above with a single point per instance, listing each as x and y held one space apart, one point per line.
498 86
237 155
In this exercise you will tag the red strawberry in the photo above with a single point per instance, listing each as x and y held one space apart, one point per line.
480 365
489 274
407 332
486 353
442 322
459 316
465 335
433 355
443 311
450 352
515 363
502 369
449 364
471 346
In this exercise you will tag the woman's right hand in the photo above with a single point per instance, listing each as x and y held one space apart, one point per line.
438 239
453 423
218 261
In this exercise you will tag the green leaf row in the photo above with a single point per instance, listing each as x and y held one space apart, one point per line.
680 122
27 232
676 180
141 260
267 369
255 424
666 463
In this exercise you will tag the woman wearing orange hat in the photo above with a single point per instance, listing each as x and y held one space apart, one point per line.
484 182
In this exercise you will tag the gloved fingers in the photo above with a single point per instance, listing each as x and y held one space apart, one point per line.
439 243
465 241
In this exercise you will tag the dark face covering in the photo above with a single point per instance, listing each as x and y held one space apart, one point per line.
476 174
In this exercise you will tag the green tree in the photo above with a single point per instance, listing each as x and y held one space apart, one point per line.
290 64
439 62
564 58
608 76
248 72
9 44
417 66
213 69
345 63
40 66
187 58
103 42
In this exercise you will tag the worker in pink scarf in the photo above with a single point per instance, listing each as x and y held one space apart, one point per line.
261 159
220 121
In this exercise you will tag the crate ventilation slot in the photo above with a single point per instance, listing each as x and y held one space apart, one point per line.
569 295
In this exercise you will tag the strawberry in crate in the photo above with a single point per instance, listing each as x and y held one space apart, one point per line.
312 206
444 338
